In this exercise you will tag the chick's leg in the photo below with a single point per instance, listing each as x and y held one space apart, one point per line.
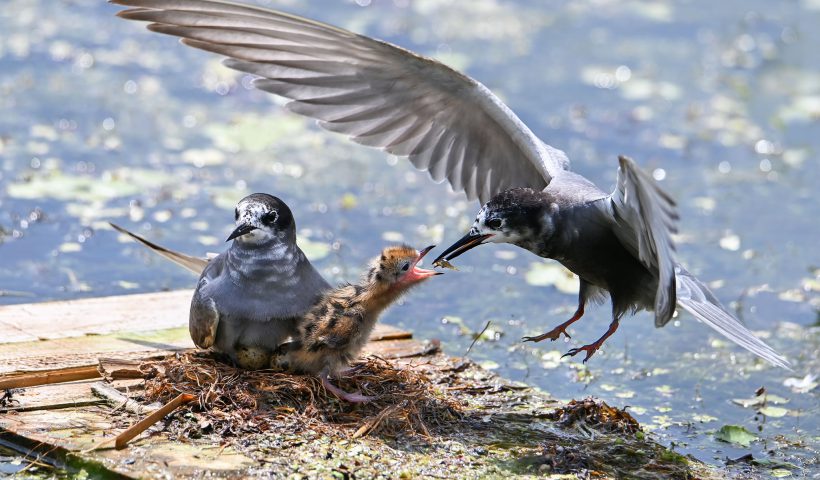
341 394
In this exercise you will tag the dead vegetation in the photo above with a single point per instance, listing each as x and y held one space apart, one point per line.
232 402
595 414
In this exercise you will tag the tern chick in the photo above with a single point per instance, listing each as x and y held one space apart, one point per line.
336 329
249 298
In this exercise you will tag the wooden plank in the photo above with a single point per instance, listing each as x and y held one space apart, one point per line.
94 316
49 397
85 351
105 315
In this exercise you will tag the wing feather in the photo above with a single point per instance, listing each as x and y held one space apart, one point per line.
646 217
192 264
698 300
377 93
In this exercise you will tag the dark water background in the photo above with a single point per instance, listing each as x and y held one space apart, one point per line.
101 120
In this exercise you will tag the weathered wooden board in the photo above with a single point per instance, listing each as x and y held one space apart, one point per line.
94 316
67 425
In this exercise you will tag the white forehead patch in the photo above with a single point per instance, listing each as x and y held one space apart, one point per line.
479 219
251 213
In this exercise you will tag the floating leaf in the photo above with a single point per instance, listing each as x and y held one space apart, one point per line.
773 463
776 399
255 133
551 359
348 201
665 390
391 236
759 400
703 418
775 412
489 365
552 274
735 434
313 250
70 247
801 385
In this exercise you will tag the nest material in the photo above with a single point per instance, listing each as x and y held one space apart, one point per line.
233 401
596 414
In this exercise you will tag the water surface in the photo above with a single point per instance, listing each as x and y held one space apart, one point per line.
101 120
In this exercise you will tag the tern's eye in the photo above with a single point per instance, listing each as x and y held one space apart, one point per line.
236 214
495 223
405 266
269 219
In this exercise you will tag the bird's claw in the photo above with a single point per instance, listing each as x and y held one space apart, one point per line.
590 349
553 335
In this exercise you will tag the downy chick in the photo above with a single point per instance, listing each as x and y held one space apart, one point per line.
336 329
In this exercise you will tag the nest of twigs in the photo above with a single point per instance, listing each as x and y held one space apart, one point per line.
596 414
232 401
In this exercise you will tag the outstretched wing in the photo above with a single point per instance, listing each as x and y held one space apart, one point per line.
698 300
646 217
193 264
377 93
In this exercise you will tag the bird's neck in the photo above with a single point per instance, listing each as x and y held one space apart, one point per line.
263 261
375 297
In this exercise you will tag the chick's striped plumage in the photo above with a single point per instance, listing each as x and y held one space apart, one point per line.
335 330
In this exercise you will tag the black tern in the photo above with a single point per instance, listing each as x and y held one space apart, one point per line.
249 298
618 244
449 124
336 329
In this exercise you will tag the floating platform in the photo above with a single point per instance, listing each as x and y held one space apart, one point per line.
76 374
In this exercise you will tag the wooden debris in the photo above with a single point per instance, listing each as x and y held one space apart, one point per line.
119 368
59 375
123 438
116 399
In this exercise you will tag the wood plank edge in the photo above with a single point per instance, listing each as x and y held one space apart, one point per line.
56 456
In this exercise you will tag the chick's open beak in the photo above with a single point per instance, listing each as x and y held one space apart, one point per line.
415 274
466 242
241 230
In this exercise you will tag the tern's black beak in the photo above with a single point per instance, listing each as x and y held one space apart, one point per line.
241 230
471 240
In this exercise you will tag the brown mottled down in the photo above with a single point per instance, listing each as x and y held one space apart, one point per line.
336 329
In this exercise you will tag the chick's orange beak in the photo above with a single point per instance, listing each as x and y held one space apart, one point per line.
417 274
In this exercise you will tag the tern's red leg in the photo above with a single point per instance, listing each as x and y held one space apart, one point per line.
556 332
593 347
341 394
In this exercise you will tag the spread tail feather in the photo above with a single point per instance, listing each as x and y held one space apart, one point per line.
193 264
697 299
